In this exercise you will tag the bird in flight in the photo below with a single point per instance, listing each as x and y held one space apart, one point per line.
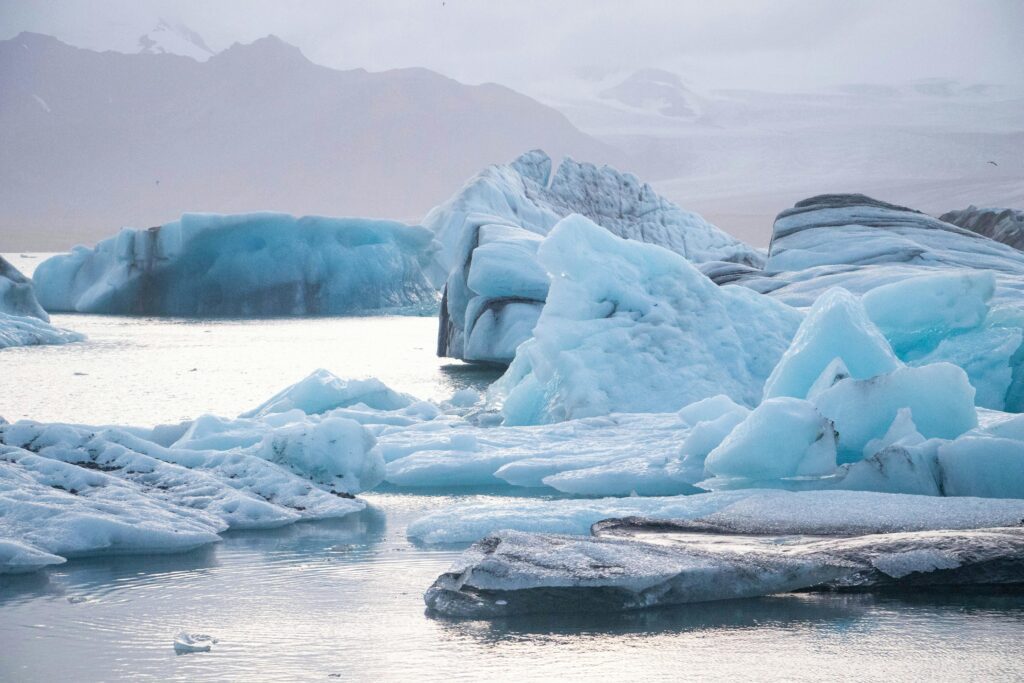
993 163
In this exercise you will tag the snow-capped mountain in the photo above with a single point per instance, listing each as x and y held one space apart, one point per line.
174 39
654 90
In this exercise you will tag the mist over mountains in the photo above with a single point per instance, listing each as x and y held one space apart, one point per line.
93 141
96 140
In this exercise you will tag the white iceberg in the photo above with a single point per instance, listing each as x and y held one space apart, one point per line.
938 292
939 397
186 643
260 264
632 327
17 296
18 558
23 322
70 490
322 391
836 327
489 232
449 453
783 438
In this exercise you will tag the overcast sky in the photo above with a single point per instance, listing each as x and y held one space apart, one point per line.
783 44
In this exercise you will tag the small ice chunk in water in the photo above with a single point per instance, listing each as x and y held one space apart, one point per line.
185 643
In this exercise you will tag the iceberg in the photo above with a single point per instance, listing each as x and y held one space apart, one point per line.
918 313
742 511
322 391
17 330
633 327
983 466
17 296
23 322
939 398
936 291
836 327
22 558
783 438
71 490
637 566
1002 225
452 453
490 230
260 264
860 243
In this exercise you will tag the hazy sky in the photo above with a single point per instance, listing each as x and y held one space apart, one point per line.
782 44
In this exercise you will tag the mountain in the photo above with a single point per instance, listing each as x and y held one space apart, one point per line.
174 39
93 141
738 157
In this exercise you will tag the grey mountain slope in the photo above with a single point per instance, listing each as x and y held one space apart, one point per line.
96 140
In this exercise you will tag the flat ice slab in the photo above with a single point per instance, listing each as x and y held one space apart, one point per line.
515 573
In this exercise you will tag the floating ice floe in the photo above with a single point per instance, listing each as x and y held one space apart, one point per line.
72 490
630 568
321 391
747 511
260 264
23 322
490 230
186 643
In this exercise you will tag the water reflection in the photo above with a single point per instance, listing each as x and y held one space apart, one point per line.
470 375
830 611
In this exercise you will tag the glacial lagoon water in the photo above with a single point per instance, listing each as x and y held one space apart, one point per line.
343 599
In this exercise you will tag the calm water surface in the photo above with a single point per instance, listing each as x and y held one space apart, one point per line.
343 599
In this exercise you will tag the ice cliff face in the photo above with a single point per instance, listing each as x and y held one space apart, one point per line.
22 320
1002 225
261 264
490 230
